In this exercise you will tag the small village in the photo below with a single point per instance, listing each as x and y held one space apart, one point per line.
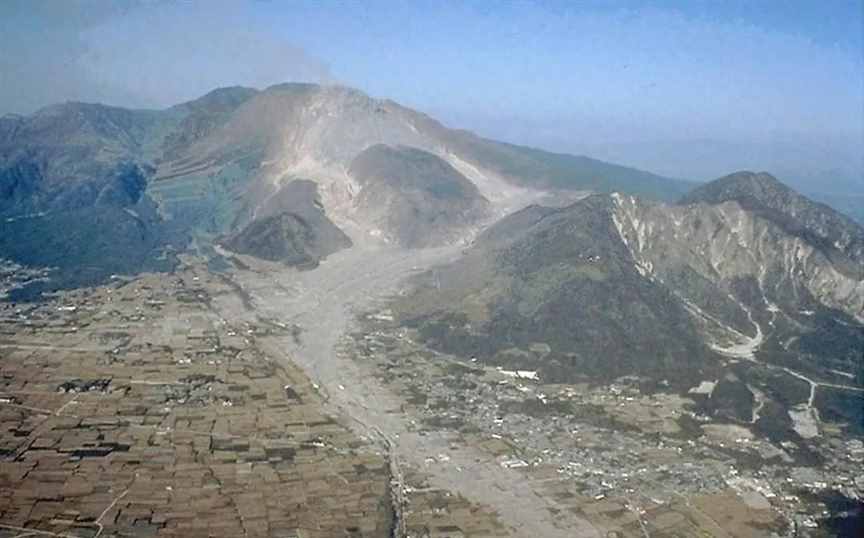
613 445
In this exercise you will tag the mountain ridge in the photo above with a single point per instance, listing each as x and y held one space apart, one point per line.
209 165
837 235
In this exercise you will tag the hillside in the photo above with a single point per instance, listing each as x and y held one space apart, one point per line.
414 197
616 286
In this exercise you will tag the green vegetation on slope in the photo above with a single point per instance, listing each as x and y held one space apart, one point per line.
547 170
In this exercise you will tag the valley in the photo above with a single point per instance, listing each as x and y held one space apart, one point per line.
337 317
322 306
527 456
477 431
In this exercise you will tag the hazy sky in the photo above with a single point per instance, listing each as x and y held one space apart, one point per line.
692 88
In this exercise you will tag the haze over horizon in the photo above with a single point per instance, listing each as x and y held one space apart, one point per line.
686 89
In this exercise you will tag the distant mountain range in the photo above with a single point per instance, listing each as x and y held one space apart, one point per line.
93 190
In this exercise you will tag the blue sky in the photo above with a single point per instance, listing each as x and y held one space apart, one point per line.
692 89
